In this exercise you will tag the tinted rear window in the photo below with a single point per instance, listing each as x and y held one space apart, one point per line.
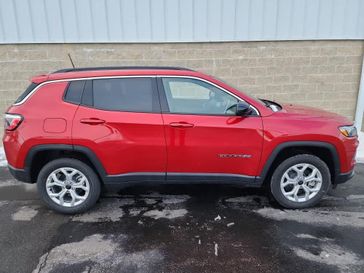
128 94
74 92
26 92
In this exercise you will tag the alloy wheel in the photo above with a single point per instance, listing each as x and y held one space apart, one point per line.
67 187
301 182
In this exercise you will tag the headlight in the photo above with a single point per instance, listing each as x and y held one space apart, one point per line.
348 131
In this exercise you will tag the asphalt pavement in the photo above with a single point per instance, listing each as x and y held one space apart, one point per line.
175 228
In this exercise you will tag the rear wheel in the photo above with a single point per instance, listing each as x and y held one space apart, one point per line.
300 181
68 186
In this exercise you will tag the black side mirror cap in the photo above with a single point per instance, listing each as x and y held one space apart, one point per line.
243 109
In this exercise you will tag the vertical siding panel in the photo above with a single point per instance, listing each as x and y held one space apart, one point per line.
25 23
9 21
338 15
69 22
84 20
312 18
298 19
56 33
324 23
98 13
270 20
158 19
242 19
186 20
113 19
228 20
143 20
284 19
360 21
256 19
350 18
129 20
38 15
200 19
214 20
172 20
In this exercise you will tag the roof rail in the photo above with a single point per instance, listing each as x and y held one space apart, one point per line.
119 68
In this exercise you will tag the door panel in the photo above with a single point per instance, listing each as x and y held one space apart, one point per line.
215 144
125 142
203 133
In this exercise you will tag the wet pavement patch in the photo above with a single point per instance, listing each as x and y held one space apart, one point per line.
196 228
97 253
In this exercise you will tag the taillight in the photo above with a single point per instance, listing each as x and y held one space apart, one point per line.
12 121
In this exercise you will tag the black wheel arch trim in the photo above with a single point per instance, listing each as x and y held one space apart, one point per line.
63 147
293 144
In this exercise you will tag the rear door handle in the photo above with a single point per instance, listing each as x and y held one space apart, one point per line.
181 124
92 121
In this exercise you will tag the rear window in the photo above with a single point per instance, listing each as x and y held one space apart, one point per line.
74 92
26 92
127 94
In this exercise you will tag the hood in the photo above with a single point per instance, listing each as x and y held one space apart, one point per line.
313 113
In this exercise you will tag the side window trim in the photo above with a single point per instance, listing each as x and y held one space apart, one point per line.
164 102
162 96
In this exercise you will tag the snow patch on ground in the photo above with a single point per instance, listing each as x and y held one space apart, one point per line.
165 213
309 236
355 197
3 162
360 151
331 254
24 214
316 216
98 253
10 183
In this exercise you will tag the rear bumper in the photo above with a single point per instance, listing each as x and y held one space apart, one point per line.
20 174
343 177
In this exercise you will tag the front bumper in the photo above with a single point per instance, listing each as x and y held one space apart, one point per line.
343 177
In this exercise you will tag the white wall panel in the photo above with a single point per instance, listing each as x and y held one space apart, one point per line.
99 21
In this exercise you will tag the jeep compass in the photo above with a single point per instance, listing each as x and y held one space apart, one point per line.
76 130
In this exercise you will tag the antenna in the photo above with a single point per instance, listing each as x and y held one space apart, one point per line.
69 56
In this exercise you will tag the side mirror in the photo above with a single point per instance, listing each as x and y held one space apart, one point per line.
243 109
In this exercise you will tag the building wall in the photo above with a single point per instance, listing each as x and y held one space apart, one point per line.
100 21
322 74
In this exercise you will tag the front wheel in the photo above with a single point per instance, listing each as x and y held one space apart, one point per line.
68 186
300 181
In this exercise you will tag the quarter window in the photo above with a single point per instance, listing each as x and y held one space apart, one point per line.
127 94
74 92
192 96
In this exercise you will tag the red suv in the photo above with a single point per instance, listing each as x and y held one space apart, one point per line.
76 130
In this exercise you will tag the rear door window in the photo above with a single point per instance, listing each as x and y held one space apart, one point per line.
126 94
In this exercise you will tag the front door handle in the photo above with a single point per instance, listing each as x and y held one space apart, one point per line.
92 121
181 124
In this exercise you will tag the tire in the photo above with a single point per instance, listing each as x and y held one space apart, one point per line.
84 184
297 173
